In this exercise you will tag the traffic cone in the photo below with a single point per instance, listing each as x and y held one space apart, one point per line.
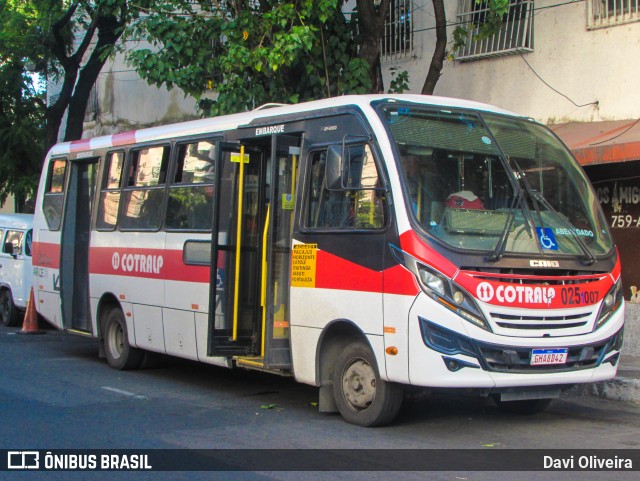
30 324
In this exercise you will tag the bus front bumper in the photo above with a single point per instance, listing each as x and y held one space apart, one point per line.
446 353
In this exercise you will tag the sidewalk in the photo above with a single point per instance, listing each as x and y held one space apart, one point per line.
626 385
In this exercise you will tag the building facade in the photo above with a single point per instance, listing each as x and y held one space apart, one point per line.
569 64
121 100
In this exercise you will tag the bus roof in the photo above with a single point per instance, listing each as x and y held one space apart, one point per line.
233 121
16 221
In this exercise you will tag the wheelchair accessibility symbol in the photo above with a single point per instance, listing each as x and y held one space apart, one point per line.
547 239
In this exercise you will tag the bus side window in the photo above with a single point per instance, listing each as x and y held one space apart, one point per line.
359 205
54 193
143 197
110 192
190 203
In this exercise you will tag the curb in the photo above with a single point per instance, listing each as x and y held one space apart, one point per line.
626 385
617 389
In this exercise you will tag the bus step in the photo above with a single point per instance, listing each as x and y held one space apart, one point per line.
256 363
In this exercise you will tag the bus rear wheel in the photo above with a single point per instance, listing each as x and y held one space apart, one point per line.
120 354
361 396
8 310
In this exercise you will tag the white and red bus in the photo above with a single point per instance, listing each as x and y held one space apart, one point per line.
362 244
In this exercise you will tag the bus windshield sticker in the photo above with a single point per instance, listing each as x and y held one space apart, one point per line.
547 239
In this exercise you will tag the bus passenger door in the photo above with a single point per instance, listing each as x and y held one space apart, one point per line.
251 312
276 283
74 251
238 219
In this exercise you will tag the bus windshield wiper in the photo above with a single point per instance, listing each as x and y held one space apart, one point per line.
590 258
501 246
518 202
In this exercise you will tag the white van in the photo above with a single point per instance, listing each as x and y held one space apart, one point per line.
16 231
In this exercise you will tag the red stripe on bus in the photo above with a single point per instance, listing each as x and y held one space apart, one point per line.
145 263
80 145
123 138
413 245
46 254
129 262
398 280
333 272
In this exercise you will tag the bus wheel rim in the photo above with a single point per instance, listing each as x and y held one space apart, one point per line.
359 384
116 340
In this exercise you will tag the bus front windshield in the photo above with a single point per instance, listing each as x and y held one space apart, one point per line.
497 184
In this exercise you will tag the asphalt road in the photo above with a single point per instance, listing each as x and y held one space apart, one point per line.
56 394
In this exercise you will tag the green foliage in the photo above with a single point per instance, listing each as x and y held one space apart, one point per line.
399 81
249 53
64 41
21 103
21 127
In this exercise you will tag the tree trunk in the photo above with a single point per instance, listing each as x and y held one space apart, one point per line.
440 52
109 32
77 84
371 25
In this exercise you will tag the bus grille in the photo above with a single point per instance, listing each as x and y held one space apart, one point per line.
514 359
510 321
517 359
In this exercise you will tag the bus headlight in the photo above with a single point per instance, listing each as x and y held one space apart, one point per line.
612 301
432 281
450 295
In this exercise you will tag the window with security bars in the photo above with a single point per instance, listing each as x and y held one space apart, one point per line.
515 33
397 41
603 13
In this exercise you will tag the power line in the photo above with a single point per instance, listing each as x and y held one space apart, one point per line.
617 135
552 88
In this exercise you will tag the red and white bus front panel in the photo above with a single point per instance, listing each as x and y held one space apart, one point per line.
504 330
507 331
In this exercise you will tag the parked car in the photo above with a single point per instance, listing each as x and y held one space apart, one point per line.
16 231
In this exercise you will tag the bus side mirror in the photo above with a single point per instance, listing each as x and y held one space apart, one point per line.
334 168
9 248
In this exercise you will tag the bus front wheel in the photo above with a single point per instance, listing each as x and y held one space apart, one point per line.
120 354
8 310
361 396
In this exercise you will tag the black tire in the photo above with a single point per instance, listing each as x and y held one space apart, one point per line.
525 407
362 397
9 313
120 354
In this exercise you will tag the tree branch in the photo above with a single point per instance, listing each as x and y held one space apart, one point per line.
59 44
440 51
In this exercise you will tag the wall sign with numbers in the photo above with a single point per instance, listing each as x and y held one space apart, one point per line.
617 187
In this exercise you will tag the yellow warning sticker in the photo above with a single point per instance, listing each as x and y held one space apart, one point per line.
235 157
303 266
